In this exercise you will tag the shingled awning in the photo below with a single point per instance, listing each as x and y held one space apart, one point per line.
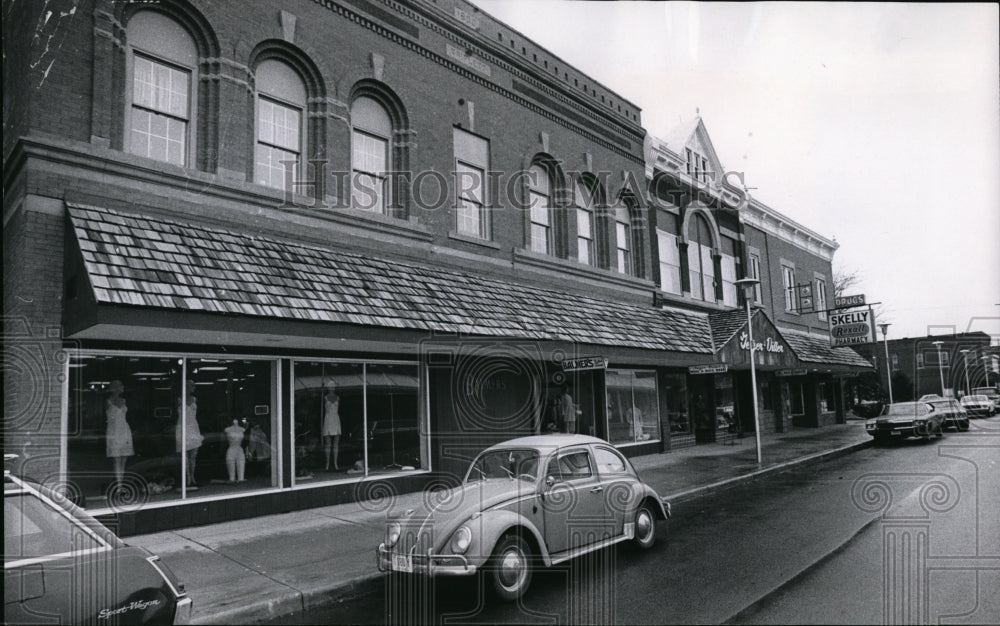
802 349
136 260
812 349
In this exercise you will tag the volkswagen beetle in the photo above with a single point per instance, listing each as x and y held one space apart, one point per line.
526 503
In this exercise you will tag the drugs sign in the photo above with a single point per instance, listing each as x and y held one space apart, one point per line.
849 329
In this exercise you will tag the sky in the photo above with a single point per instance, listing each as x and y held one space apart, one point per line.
877 125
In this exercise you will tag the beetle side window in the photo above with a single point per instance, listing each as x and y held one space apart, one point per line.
572 466
609 462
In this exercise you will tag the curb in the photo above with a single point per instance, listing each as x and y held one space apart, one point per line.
297 601
818 457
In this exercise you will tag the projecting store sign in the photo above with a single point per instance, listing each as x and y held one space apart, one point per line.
849 329
585 363
845 302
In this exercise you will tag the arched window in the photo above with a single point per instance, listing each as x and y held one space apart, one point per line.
540 206
701 267
623 240
161 77
585 202
371 155
281 106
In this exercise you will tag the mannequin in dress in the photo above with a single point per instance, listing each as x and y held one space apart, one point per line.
331 428
118 438
189 440
236 460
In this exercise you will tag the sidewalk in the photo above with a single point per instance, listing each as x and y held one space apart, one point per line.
251 570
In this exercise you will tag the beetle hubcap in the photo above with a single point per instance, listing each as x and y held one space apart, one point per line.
511 568
643 525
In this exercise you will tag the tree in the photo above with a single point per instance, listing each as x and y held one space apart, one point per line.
845 280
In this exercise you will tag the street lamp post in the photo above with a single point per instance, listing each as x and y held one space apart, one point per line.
748 285
888 369
965 353
940 364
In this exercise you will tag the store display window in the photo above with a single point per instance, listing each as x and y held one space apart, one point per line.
147 429
633 408
356 419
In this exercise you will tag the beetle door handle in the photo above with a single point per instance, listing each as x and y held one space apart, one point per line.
597 489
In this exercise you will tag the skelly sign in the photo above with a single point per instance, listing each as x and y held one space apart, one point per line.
849 329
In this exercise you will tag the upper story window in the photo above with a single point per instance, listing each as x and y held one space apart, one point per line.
281 104
623 240
701 267
727 264
697 165
162 70
472 161
540 208
821 298
371 135
585 199
670 262
755 273
788 281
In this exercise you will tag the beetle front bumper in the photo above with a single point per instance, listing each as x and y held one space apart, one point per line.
428 564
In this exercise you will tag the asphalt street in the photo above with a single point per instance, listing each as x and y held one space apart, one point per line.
804 546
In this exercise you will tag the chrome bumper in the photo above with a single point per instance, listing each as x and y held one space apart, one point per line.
182 612
429 564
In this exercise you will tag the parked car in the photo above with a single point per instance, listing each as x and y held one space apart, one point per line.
989 392
978 406
954 415
923 418
62 566
526 503
906 419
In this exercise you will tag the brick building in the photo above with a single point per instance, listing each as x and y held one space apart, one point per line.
920 366
707 233
257 261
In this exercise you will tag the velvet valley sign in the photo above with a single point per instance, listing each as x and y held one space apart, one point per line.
768 345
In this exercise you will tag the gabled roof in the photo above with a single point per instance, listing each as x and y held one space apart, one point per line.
138 260
693 134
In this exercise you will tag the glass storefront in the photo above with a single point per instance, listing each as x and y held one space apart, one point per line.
633 407
137 424
356 419
678 416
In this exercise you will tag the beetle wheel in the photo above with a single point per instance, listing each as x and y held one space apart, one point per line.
645 527
511 567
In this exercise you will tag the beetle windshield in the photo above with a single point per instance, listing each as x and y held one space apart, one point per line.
515 463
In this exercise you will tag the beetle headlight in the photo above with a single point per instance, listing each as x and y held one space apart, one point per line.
460 540
392 534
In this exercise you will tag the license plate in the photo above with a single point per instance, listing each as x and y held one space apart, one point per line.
402 563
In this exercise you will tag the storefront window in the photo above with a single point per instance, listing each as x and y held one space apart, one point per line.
393 418
353 419
233 411
796 399
826 397
725 405
678 417
633 409
131 438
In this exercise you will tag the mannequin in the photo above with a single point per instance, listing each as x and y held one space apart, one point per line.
189 440
118 438
568 410
331 428
236 460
